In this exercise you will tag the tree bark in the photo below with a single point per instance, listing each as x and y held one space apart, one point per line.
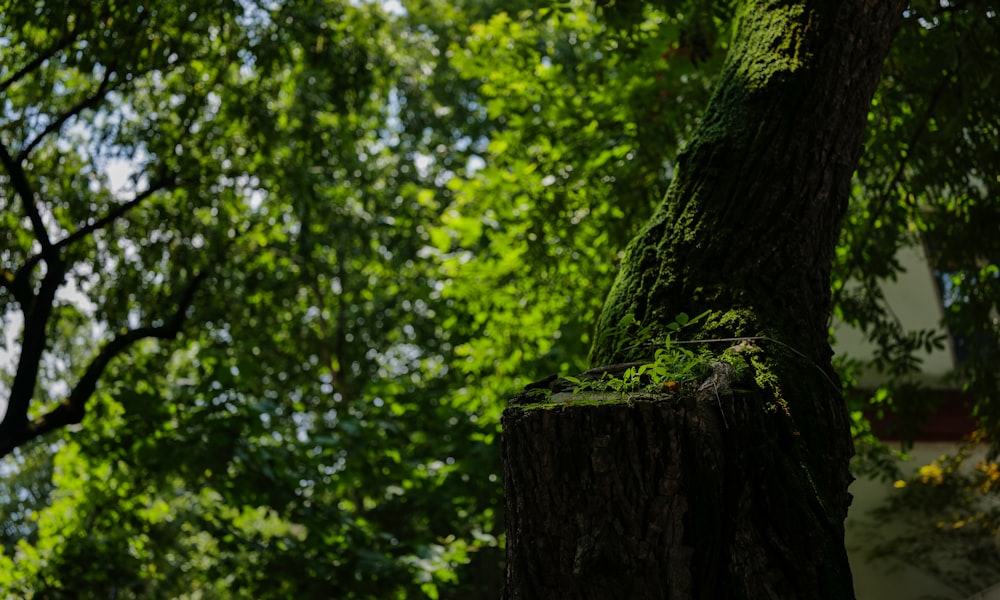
739 495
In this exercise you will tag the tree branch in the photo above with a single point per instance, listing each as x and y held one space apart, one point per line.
89 102
39 59
37 308
897 177
18 283
117 212
73 408
22 187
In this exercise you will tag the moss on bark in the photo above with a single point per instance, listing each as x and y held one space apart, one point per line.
757 485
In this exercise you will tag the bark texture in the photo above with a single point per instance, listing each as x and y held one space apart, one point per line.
752 507
645 499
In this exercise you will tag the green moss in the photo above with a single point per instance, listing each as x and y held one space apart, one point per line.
772 44
591 398
733 322
739 363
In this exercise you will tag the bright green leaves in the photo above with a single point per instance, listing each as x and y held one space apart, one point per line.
261 146
576 161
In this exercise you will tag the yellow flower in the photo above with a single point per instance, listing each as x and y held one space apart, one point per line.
991 471
931 473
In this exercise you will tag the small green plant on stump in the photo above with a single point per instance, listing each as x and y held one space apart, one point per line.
672 364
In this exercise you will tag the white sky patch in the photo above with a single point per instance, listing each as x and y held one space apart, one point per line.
12 323
475 163
423 163
121 174
394 7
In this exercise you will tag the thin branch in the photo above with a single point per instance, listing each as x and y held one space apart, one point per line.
117 212
613 369
897 177
169 330
89 102
38 60
333 359
22 187
113 215
73 408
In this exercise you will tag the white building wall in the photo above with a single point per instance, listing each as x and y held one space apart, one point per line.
914 299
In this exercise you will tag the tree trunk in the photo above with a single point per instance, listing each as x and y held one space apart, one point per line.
715 494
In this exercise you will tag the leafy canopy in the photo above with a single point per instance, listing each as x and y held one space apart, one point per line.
296 255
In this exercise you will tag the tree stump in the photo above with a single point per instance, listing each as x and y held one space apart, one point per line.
654 496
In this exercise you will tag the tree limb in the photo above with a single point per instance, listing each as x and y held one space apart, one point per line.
72 409
39 59
37 309
22 187
90 101
18 283
117 212
883 198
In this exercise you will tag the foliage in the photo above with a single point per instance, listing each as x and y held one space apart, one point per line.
381 237
946 518
262 164
929 178
673 363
